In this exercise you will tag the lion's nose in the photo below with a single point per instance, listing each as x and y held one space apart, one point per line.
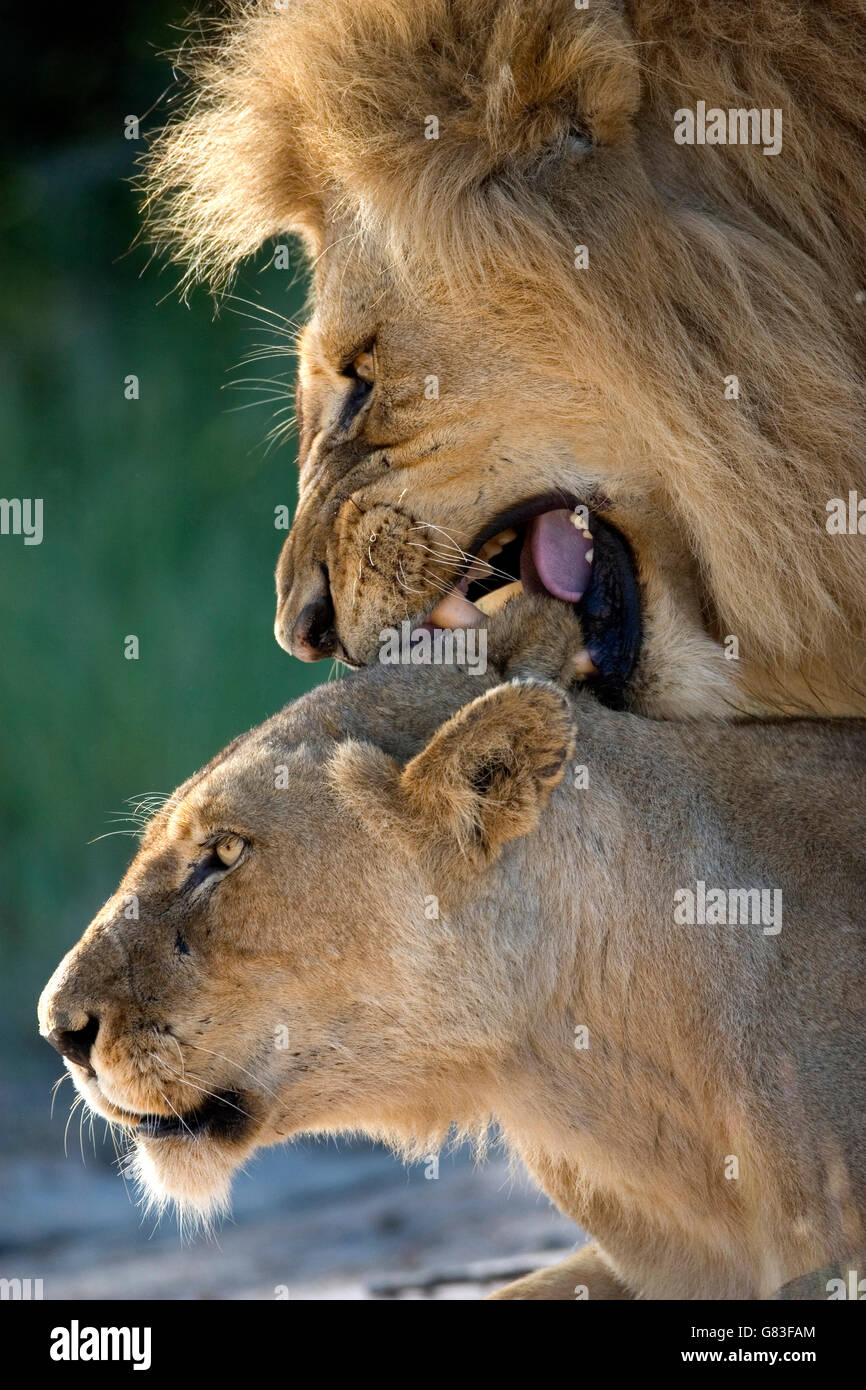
75 1043
312 634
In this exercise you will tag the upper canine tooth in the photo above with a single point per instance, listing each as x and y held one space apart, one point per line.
479 569
496 544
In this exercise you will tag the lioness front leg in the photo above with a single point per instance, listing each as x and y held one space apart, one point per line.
584 1275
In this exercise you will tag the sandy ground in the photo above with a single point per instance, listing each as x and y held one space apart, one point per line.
310 1221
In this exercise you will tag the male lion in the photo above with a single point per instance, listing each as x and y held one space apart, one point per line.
530 297
394 907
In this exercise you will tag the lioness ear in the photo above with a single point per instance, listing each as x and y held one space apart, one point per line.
482 779
485 775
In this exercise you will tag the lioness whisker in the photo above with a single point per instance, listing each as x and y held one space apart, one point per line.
184 1076
280 431
266 352
79 1100
118 1158
55 1088
81 1135
232 1063
147 804
175 1112
248 405
108 834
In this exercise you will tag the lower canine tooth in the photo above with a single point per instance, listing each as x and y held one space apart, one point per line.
491 603
584 665
456 611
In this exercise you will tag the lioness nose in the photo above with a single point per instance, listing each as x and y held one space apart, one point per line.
313 633
75 1043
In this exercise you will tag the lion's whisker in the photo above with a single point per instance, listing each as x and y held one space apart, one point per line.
491 571
281 319
269 381
403 582
431 526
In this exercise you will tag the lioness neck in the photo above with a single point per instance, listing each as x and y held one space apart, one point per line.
640 1090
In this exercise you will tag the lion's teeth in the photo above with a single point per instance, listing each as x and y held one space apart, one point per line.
491 603
479 569
497 544
584 665
456 611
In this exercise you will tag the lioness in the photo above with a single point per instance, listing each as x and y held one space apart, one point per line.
419 898
533 294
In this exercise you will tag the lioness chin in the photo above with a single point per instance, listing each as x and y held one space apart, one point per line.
420 898
530 297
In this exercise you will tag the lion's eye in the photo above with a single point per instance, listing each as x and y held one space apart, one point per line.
361 372
364 366
228 850
579 141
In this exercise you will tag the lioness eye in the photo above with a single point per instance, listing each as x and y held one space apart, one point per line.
228 850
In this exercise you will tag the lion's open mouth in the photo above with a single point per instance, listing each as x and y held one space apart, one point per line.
571 554
222 1116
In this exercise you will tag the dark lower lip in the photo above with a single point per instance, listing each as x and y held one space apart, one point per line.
610 614
223 1116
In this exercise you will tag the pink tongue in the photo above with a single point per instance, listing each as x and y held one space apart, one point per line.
561 554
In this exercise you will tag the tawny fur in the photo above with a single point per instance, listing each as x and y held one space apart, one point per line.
704 262
436 922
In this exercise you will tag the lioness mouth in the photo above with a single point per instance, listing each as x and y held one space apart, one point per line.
222 1116
572 555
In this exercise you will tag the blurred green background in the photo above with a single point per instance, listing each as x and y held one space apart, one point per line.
158 512
158 522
